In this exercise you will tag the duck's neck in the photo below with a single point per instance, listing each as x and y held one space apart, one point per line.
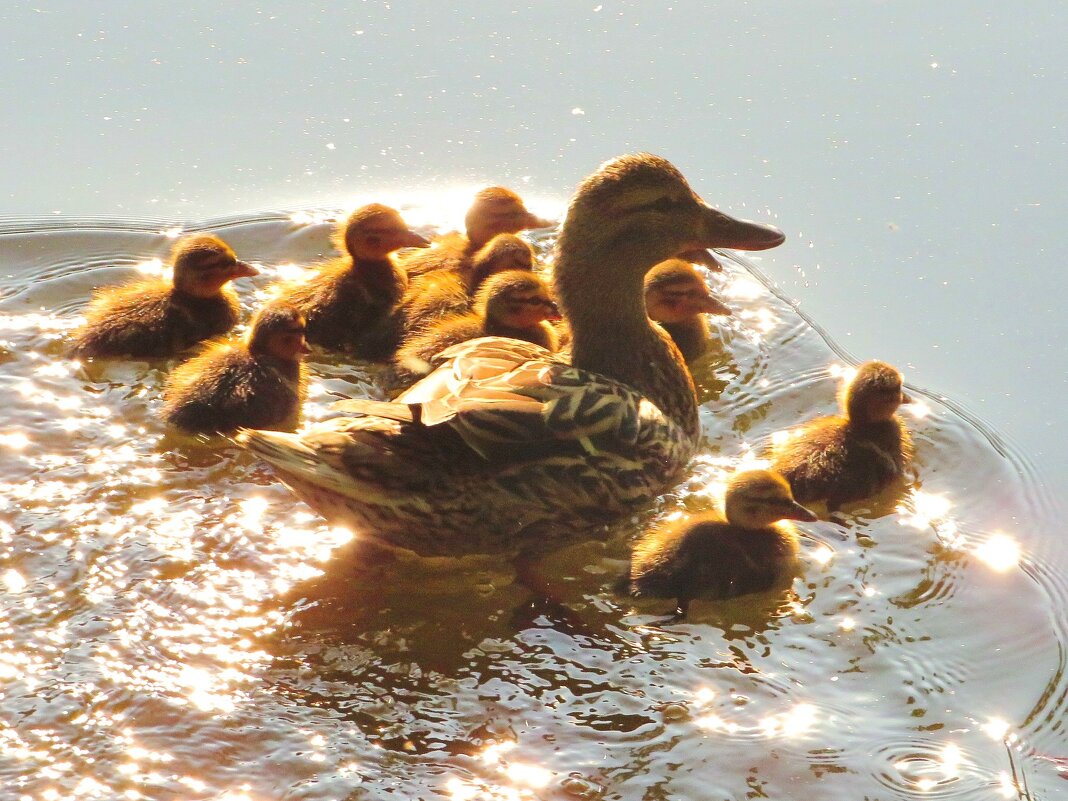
612 335
381 278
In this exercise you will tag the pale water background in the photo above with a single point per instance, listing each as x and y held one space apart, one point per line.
915 155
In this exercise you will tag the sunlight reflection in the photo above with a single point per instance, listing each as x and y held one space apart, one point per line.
1006 785
996 728
152 267
14 581
17 441
822 554
927 510
844 373
743 287
917 409
529 775
1001 552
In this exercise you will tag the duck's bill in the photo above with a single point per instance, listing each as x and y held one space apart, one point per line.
723 231
243 269
703 257
533 221
709 305
795 511
410 239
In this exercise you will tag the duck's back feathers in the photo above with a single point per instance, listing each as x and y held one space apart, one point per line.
147 319
709 558
830 459
226 388
448 253
500 440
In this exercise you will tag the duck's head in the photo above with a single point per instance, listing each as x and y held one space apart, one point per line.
204 264
516 299
497 210
503 252
374 231
874 393
758 498
277 330
637 210
675 292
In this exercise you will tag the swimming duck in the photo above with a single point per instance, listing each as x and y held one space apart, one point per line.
157 317
443 293
504 446
848 457
348 303
708 557
514 303
257 382
496 210
677 297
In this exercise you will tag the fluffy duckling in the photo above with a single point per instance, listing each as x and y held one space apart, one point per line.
514 303
707 557
848 457
349 302
444 293
496 210
259 382
677 297
157 317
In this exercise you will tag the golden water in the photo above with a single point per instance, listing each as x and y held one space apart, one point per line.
173 628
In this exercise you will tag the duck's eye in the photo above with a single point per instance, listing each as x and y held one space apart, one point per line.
664 204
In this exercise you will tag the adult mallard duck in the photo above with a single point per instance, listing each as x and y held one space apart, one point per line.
513 303
677 297
713 557
843 458
349 302
159 317
505 445
258 382
496 210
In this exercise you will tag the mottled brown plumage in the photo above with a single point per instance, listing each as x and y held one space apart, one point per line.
258 382
514 303
505 445
157 317
349 302
707 556
849 457
677 297
496 210
444 293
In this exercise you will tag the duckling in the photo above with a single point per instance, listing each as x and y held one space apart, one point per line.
514 303
705 557
348 303
444 293
496 210
256 382
848 457
156 317
678 298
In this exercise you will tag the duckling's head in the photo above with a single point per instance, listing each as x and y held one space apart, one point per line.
277 330
503 252
204 264
874 393
758 498
497 210
374 231
675 292
515 299
637 210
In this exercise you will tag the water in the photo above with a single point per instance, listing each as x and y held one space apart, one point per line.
174 628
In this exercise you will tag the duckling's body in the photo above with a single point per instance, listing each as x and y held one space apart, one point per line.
259 382
515 304
710 557
445 293
677 297
349 302
157 317
505 445
495 211
844 458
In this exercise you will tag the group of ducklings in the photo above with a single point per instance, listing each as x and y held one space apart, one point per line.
408 307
